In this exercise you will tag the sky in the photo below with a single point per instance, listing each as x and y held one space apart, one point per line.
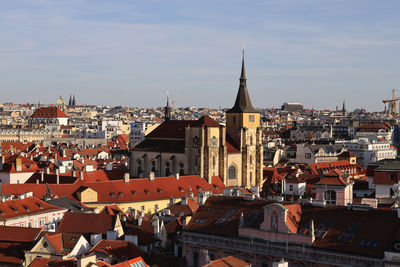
131 52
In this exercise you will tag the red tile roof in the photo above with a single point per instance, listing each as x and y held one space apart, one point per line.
49 112
24 207
19 234
119 249
44 262
83 223
229 261
118 191
133 262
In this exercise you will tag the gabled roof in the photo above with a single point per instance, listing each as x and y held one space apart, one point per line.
63 242
49 112
44 262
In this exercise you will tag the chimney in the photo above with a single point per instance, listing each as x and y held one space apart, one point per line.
2 162
156 225
47 170
312 231
18 164
41 176
151 177
81 175
74 173
58 176
37 181
184 201
126 177
109 166
177 176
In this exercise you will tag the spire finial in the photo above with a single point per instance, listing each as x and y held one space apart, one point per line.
167 109
243 74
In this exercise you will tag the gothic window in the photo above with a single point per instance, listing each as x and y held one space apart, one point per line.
251 159
232 172
251 140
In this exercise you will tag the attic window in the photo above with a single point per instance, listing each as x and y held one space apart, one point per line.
39 205
147 191
27 208
159 190
14 209
133 192
120 194
1 212
112 194
181 189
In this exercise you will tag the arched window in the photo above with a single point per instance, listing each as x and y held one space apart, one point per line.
251 140
232 172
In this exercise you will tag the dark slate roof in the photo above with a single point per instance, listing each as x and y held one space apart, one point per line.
243 103
175 129
161 145
70 204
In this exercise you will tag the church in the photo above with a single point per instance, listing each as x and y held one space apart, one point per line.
204 147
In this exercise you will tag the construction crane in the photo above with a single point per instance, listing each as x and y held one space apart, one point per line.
392 105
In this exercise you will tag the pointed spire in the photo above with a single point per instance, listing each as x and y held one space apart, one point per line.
243 73
167 109
73 101
243 103
70 100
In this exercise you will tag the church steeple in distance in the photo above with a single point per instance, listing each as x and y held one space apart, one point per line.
243 103
167 110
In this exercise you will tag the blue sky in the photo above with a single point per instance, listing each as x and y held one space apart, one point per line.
129 52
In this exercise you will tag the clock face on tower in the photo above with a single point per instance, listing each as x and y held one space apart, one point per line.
214 142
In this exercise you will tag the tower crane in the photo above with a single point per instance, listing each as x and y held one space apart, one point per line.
392 107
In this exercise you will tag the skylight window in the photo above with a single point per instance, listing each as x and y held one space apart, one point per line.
251 218
323 228
226 217
200 220
369 243
348 235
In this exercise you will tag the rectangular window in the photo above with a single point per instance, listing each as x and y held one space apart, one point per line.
291 187
142 208
251 118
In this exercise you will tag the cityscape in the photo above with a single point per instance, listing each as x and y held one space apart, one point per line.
188 178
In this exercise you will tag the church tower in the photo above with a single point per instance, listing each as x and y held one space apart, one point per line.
243 130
